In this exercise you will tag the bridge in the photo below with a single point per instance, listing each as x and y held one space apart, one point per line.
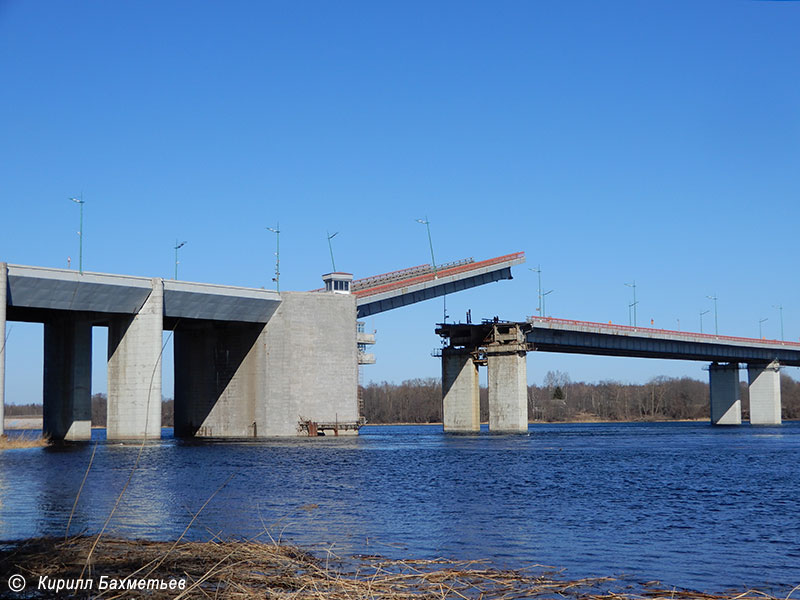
502 347
248 362
393 290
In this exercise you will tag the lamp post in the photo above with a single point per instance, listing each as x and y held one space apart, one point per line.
433 263
544 310
780 308
703 312
80 202
177 247
538 271
430 242
277 231
716 324
760 321
330 247
633 304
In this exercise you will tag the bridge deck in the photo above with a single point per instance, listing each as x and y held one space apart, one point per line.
584 337
400 288
32 291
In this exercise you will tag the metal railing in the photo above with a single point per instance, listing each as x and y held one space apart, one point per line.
445 270
688 335
402 274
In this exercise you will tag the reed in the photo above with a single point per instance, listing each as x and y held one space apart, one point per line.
247 570
23 440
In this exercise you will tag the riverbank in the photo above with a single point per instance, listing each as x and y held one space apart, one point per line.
51 568
24 440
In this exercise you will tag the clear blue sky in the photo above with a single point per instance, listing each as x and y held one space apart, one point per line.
611 141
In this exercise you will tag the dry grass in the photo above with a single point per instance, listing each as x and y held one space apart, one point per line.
249 570
23 440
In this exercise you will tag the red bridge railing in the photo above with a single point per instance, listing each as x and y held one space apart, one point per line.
445 272
670 332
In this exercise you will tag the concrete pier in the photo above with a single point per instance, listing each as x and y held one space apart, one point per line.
502 347
235 379
134 370
508 389
726 406
220 372
460 392
3 295
67 381
311 364
765 393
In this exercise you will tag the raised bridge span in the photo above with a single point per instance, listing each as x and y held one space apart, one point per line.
248 362
502 346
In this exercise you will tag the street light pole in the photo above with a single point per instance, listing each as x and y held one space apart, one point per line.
177 247
433 263
330 247
716 324
780 308
544 310
760 321
538 271
703 312
80 234
277 231
430 242
633 305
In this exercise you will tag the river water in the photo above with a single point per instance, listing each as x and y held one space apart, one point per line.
688 504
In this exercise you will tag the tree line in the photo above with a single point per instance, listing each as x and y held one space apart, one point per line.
557 399
99 410
560 399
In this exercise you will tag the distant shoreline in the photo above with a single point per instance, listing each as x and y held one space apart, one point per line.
571 421
34 423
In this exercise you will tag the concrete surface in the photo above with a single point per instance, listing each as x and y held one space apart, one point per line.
508 389
726 406
134 370
765 393
67 386
311 363
460 392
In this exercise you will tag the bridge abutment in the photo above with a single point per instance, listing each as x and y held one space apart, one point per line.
765 393
220 371
460 392
67 385
726 406
134 370
311 365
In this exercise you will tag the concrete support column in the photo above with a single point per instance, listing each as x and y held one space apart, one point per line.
134 370
508 388
460 392
67 385
765 393
726 406
220 374
3 298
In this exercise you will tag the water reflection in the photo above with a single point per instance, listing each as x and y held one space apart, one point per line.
688 504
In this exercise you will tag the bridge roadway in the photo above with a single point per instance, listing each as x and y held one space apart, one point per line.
242 356
502 346
582 337
393 290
